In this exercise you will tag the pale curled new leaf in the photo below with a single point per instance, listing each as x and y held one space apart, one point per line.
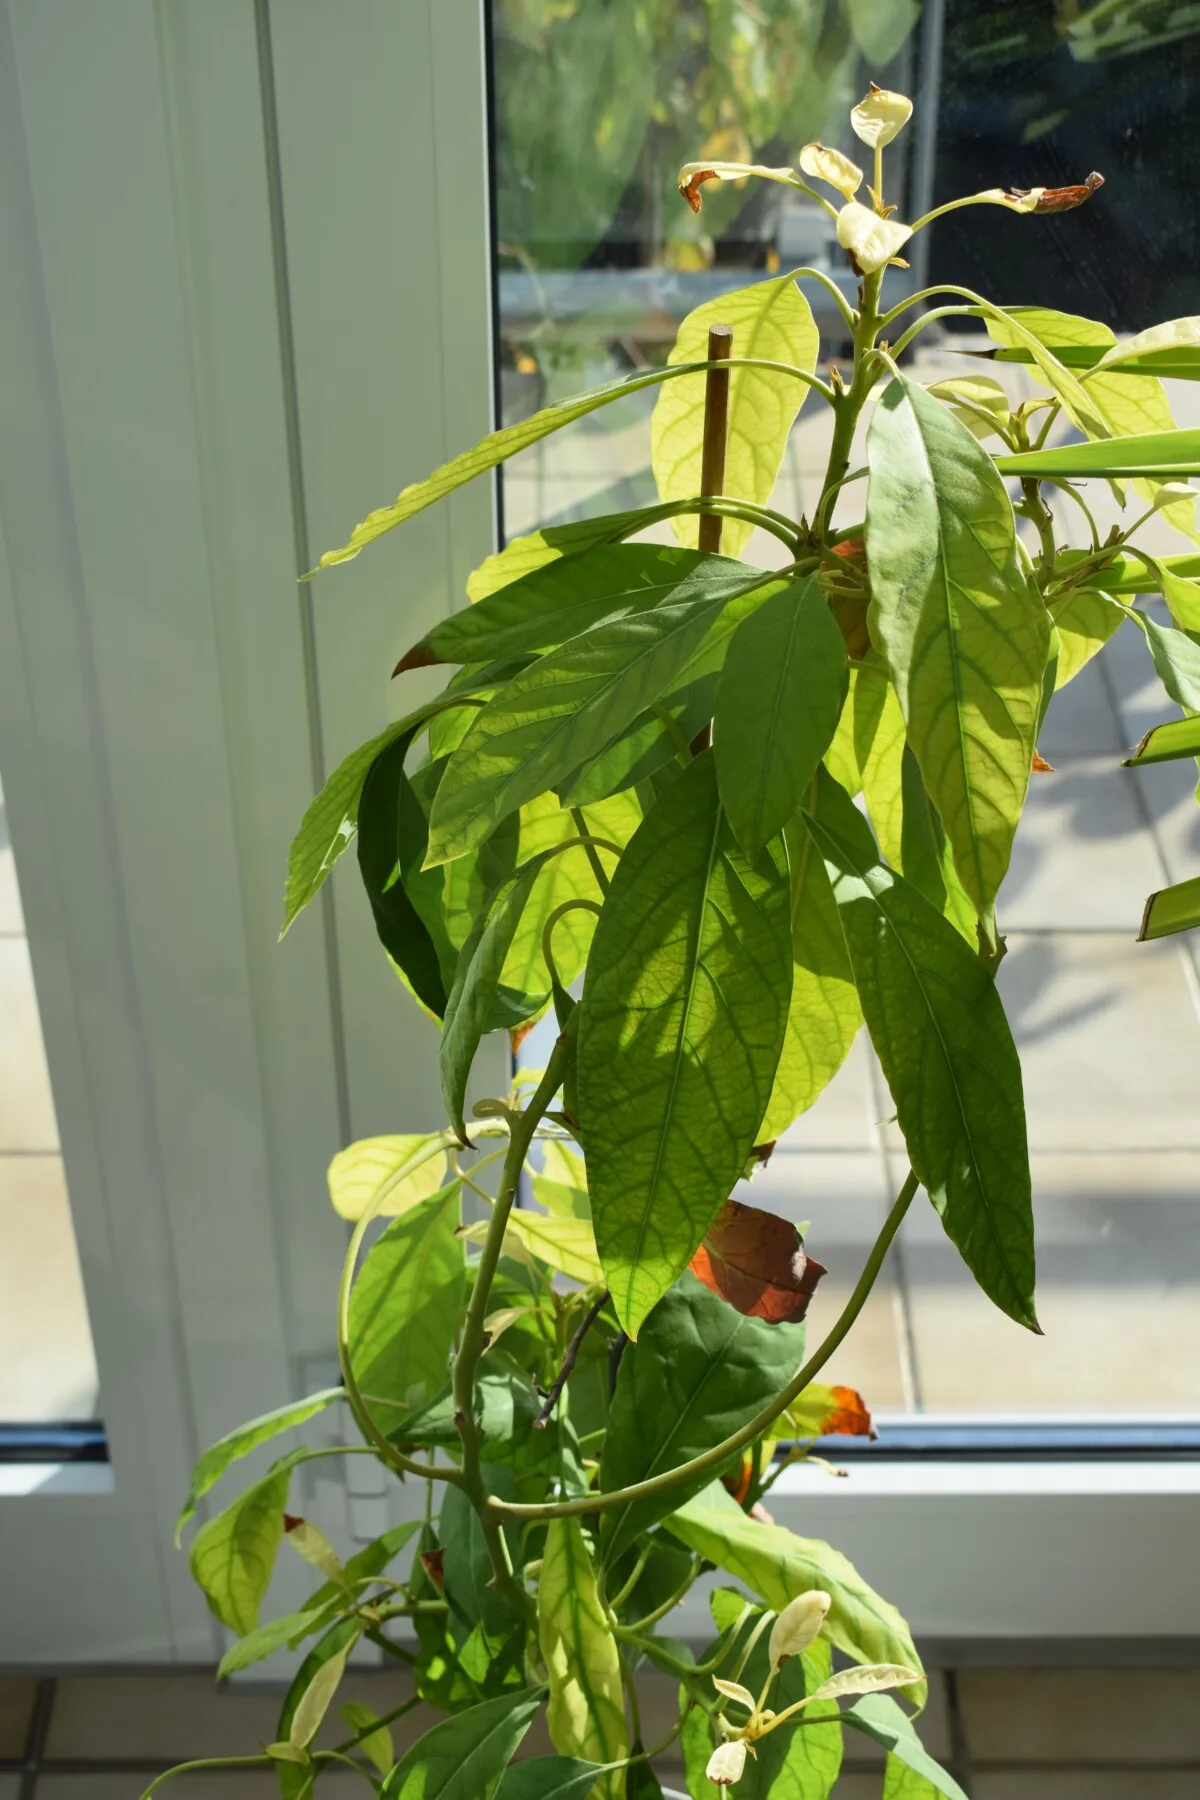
779 700
771 320
586 1711
939 1030
962 627
682 1021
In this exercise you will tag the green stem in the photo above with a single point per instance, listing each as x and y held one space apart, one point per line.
474 1336
209 1762
848 406
713 1459
660 1612
1035 508
548 930
589 845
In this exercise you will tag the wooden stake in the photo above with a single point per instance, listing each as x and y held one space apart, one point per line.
712 461
716 431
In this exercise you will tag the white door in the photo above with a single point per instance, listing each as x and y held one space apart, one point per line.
243 298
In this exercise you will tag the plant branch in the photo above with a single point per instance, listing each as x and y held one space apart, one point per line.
568 1363
711 1460
548 930
590 848
474 1335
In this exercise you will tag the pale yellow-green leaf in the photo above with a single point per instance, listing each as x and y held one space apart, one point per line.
377 1747
1085 619
879 752
586 1711
1013 330
395 1171
771 320
314 1702
840 759
567 876
980 403
310 1542
568 1245
1172 334
870 240
1126 405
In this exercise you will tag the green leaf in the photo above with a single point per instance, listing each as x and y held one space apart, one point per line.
568 1245
773 320
977 402
1176 661
1170 910
404 1306
232 1556
387 1175
486 454
682 1021
463 1758
840 759
1018 326
884 1720
698 1372
586 1710
480 965
230 1449
925 857
697 1741
467 1565
1086 619
522 555
550 1778
900 1782
575 700
562 1185
1167 743
551 604
939 1029
777 1565
964 631
329 825
405 899
824 1014
1164 454
649 744
505 1404
778 704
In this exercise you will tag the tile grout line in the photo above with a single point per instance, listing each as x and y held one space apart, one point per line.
39 1731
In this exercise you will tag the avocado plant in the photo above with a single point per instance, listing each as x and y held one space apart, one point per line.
715 817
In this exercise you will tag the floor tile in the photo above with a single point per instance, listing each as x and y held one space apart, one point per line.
843 1195
1167 794
1083 720
1084 856
10 1787
1118 1294
149 1716
47 1365
207 1784
26 1109
17 1695
1109 1040
1077 1784
1082 1716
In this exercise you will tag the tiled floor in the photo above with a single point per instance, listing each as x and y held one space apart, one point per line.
1056 1734
1108 1030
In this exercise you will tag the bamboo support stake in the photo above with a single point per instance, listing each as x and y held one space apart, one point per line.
716 431
712 460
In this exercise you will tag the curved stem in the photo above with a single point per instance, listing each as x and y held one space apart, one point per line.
548 930
660 1612
832 289
209 1762
848 405
474 1335
938 312
597 867
714 1458
1065 487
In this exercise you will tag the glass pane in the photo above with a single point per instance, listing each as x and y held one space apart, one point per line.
47 1367
598 261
